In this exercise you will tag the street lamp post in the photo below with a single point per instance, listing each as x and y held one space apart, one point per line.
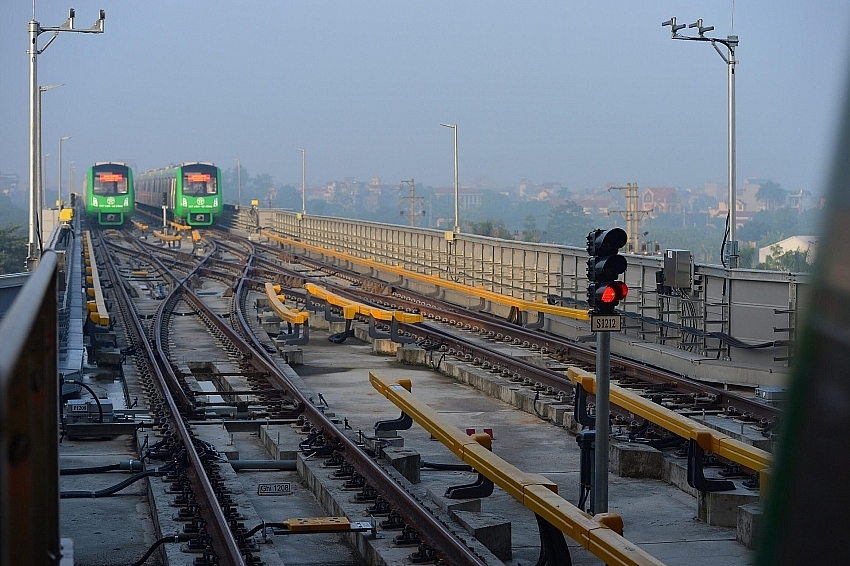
34 29
42 181
39 199
59 202
731 42
457 220
238 183
303 181
71 172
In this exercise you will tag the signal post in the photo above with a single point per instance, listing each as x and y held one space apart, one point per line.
604 292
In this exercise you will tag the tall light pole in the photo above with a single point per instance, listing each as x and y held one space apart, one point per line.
34 28
59 202
39 199
457 220
42 178
303 181
731 42
238 183
71 172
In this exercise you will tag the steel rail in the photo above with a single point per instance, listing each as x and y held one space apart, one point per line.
430 528
223 541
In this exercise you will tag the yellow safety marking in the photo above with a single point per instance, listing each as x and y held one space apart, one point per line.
97 308
707 438
140 226
322 524
66 215
196 236
284 312
492 296
352 308
166 237
139 273
594 535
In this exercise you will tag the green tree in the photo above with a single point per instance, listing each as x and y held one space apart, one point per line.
792 260
748 256
568 224
491 228
530 232
772 195
13 249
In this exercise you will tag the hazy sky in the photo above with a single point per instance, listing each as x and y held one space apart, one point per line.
583 93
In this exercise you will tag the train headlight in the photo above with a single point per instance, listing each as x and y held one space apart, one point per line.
215 201
94 201
126 201
185 202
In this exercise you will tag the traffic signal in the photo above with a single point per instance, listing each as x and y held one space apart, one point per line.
164 198
605 264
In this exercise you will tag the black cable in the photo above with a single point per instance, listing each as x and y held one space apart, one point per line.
109 491
725 235
182 537
92 470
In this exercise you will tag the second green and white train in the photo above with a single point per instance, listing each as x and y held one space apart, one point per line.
191 190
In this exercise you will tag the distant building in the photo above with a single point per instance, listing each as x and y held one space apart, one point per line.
9 183
793 244
661 200
599 204
467 197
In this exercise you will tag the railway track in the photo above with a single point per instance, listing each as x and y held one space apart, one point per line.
218 290
173 404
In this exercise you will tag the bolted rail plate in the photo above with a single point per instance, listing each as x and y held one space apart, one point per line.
606 322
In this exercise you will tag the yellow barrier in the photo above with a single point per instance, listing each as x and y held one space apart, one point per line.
352 308
96 308
196 236
166 238
179 227
532 490
140 226
284 312
707 438
519 304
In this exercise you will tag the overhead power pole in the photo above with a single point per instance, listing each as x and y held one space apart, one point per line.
631 215
34 28
414 200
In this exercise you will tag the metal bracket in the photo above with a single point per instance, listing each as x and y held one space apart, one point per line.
482 487
403 422
696 476
553 546
393 335
297 337
580 408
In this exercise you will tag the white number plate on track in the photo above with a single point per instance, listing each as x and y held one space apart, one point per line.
606 322
281 488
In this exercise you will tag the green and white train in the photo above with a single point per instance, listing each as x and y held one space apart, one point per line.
109 193
191 190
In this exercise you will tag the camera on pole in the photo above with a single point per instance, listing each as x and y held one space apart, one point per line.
605 264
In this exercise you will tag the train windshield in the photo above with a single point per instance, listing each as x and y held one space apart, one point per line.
109 183
199 183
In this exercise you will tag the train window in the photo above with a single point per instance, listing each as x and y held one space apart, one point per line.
109 183
199 184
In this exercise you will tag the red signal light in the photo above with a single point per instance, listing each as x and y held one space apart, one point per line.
614 292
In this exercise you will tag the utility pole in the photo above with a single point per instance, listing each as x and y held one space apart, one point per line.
34 29
238 183
631 215
457 188
731 42
59 201
303 181
413 202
